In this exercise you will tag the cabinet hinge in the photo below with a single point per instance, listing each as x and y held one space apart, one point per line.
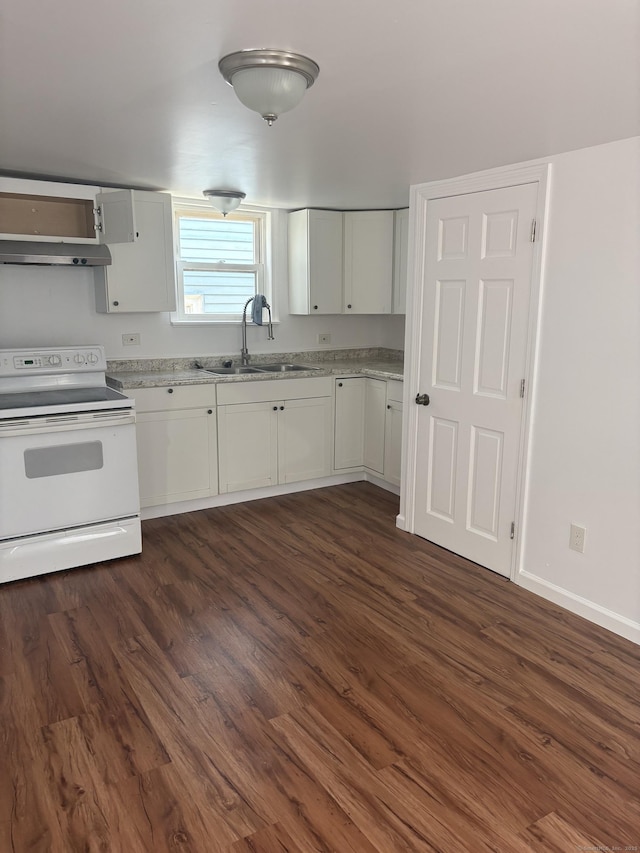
513 530
97 212
533 230
522 387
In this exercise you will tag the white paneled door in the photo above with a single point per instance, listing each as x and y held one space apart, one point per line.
478 268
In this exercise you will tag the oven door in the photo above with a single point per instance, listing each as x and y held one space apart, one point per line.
64 471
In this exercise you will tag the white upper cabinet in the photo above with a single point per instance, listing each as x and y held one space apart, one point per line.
141 276
368 261
315 262
400 253
117 216
47 211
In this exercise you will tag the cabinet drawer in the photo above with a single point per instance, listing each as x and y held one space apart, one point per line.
395 390
173 397
277 389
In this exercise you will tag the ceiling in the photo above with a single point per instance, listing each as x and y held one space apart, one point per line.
128 93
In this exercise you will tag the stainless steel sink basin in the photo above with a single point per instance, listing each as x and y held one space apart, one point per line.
284 368
231 371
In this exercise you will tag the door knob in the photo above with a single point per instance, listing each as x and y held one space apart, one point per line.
422 399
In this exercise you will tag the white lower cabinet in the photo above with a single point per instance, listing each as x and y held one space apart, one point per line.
393 432
349 420
263 434
177 443
304 439
368 426
271 442
374 422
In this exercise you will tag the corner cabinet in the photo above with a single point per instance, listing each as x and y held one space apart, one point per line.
393 432
374 423
368 261
349 420
315 262
342 262
400 258
177 443
368 426
273 432
141 276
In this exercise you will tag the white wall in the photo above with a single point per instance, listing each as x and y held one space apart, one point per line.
585 449
44 306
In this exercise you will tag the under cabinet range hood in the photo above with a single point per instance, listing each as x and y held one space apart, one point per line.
54 254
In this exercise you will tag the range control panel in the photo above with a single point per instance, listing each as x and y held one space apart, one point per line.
60 360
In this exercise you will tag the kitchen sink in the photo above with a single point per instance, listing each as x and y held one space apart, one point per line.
231 371
284 368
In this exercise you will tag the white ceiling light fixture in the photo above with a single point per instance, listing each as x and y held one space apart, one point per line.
224 200
269 81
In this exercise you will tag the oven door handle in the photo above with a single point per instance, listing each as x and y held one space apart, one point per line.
63 423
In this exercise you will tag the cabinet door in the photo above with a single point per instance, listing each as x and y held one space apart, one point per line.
374 417
176 455
304 439
393 442
141 276
248 445
315 262
349 423
368 261
117 217
400 253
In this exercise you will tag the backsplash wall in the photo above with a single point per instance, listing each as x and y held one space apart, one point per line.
45 306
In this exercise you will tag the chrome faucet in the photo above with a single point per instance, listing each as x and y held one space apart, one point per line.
244 352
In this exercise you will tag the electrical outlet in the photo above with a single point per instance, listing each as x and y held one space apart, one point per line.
324 338
576 538
132 340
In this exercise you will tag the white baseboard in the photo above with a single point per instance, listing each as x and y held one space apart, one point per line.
383 484
401 522
250 495
268 492
614 622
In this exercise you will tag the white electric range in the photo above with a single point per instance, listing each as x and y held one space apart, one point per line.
68 464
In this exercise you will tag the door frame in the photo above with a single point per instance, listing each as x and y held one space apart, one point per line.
536 171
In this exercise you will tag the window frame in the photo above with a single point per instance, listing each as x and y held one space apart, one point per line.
185 208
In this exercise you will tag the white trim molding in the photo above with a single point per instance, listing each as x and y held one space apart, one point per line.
614 622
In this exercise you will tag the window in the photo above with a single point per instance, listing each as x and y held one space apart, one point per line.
220 263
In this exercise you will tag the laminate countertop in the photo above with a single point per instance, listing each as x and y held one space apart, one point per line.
161 372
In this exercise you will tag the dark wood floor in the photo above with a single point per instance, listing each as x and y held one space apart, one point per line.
296 674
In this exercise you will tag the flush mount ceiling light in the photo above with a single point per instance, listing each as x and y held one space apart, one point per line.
224 200
269 81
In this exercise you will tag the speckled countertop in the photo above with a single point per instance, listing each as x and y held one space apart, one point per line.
379 363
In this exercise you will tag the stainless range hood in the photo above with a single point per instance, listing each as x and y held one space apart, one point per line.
54 254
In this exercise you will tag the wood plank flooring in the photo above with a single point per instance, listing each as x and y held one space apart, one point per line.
295 674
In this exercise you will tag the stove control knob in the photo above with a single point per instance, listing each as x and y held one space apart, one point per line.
92 358
78 358
54 360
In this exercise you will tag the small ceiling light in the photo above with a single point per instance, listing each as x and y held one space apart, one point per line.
269 81
224 200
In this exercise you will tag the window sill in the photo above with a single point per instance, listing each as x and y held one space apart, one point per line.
232 322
